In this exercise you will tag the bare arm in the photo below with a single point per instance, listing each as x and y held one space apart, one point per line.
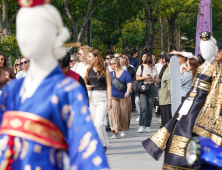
129 87
138 78
109 88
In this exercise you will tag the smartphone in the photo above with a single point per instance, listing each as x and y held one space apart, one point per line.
148 75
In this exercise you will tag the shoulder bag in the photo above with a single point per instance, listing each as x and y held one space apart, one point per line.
145 87
117 83
137 84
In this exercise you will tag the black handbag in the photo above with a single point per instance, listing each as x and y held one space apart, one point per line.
137 84
145 87
117 83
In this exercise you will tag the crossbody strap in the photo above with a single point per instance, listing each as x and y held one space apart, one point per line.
76 66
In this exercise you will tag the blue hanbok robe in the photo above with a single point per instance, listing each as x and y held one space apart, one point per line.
61 101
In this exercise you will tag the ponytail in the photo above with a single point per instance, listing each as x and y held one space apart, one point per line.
119 61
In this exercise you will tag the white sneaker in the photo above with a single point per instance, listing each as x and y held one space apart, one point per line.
141 129
159 120
123 133
114 136
147 130
138 119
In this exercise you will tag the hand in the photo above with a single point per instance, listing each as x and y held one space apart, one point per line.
173 52
89 87
183 70
7 75
151 78
109 104
126 95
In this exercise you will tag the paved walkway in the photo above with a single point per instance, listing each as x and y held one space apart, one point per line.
128 154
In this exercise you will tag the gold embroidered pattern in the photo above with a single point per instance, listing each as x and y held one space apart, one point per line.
211 109
178 145
170 167
204 133
218 126
15 123
37 148
160 138
25 147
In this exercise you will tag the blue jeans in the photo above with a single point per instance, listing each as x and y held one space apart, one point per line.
146 106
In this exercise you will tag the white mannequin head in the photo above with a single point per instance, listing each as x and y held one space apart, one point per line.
208 49
40 32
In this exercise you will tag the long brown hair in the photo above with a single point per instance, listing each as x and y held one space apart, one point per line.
99 64
194 64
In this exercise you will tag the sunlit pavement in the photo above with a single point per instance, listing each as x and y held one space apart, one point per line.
127 153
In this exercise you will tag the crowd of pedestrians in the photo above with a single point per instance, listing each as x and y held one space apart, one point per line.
109 85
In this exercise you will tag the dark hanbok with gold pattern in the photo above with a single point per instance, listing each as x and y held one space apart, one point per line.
206 97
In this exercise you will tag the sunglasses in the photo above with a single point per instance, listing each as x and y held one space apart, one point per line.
2 59
72 60
112 63
107 58
161 57
17 65
25 62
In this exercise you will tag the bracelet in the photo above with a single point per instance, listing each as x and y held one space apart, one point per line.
110 97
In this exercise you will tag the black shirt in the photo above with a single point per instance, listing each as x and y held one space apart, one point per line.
98 81
132 72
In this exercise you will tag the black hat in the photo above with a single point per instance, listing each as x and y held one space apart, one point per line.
162 54
205 35
219 45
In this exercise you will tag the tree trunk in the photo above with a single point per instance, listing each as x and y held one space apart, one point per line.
162 28
5 15
147 36
171 22
153 21
74 27
83 31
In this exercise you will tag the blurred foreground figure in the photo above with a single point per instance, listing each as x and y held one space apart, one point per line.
46 113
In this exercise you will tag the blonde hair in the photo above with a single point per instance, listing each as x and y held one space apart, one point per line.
127 60
86 49
119 61
120 55
17 60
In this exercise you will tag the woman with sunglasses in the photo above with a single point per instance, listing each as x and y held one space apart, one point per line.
73 60
6 73
98 83
121 100
83 65
17 66
107 61
25 65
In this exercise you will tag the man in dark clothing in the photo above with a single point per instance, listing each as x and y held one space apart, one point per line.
64 63
134 59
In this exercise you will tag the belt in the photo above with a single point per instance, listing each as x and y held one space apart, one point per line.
32 127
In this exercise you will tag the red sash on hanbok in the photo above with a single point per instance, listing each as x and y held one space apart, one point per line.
32 127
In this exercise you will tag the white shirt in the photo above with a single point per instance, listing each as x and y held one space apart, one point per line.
80 68
24 74
159 67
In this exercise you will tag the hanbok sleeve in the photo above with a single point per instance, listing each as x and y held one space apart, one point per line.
84 147
3 97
